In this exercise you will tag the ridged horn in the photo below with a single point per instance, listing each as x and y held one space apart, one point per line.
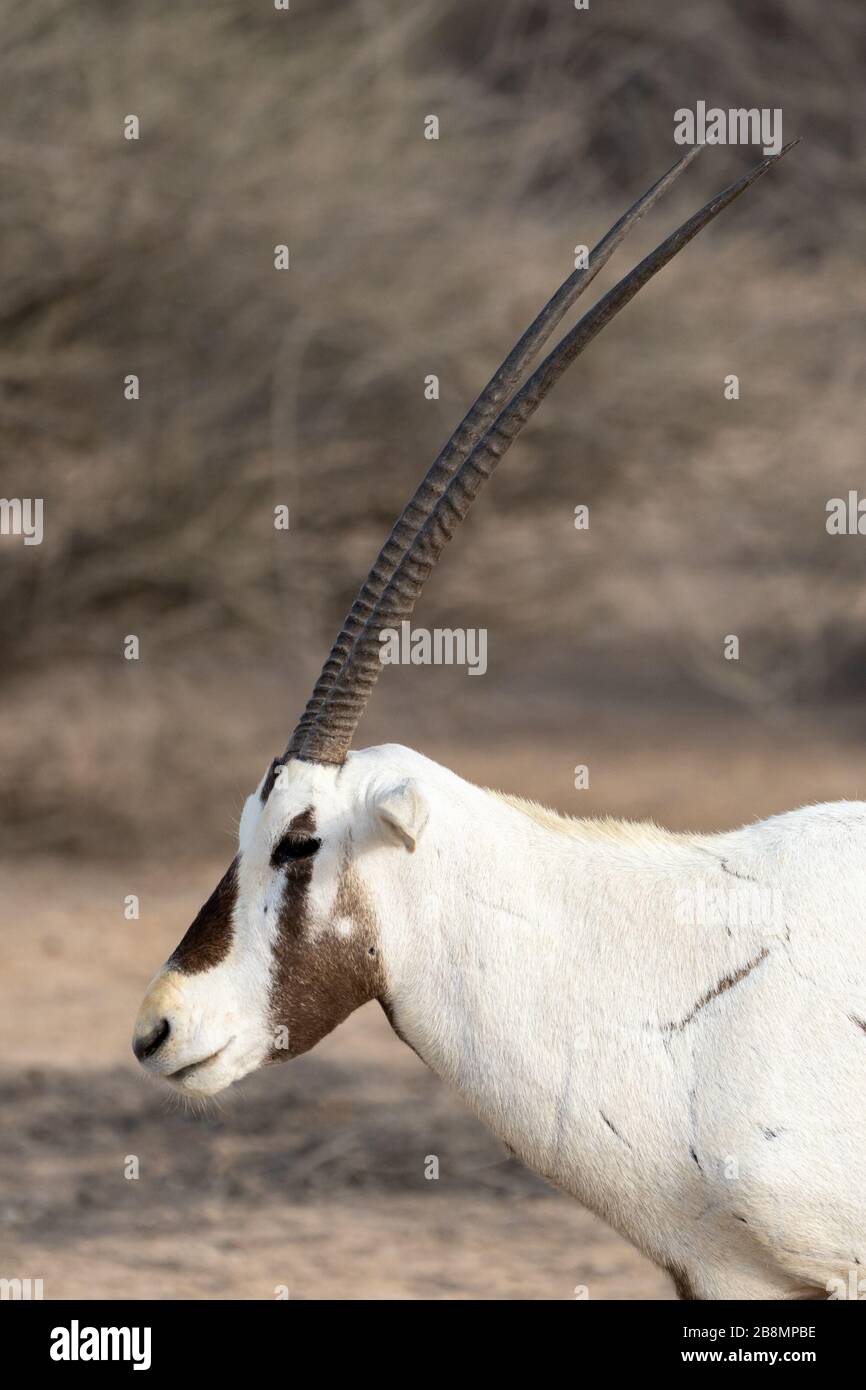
328 736
465 437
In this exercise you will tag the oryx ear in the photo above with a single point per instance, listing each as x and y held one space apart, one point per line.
403 811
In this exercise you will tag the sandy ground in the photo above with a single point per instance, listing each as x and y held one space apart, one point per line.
310 1177
307 1178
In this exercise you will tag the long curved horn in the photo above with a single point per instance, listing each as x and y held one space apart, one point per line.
329 738
465 437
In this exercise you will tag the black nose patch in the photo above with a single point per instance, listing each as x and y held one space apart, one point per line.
147 1047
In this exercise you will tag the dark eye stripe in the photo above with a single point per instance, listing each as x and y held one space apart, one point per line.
292 847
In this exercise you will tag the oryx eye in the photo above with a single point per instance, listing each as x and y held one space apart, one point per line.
292 847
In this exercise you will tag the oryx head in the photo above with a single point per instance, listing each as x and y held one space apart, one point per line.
289 943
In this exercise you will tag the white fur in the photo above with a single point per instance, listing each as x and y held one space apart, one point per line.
549 970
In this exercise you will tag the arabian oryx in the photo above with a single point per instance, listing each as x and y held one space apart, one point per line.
671 1027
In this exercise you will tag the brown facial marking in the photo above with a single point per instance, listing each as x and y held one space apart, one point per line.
304 824
208 939
268 784
320 980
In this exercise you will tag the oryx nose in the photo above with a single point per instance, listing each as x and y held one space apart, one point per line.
149 1043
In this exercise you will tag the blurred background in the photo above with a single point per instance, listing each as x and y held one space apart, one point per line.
305 388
